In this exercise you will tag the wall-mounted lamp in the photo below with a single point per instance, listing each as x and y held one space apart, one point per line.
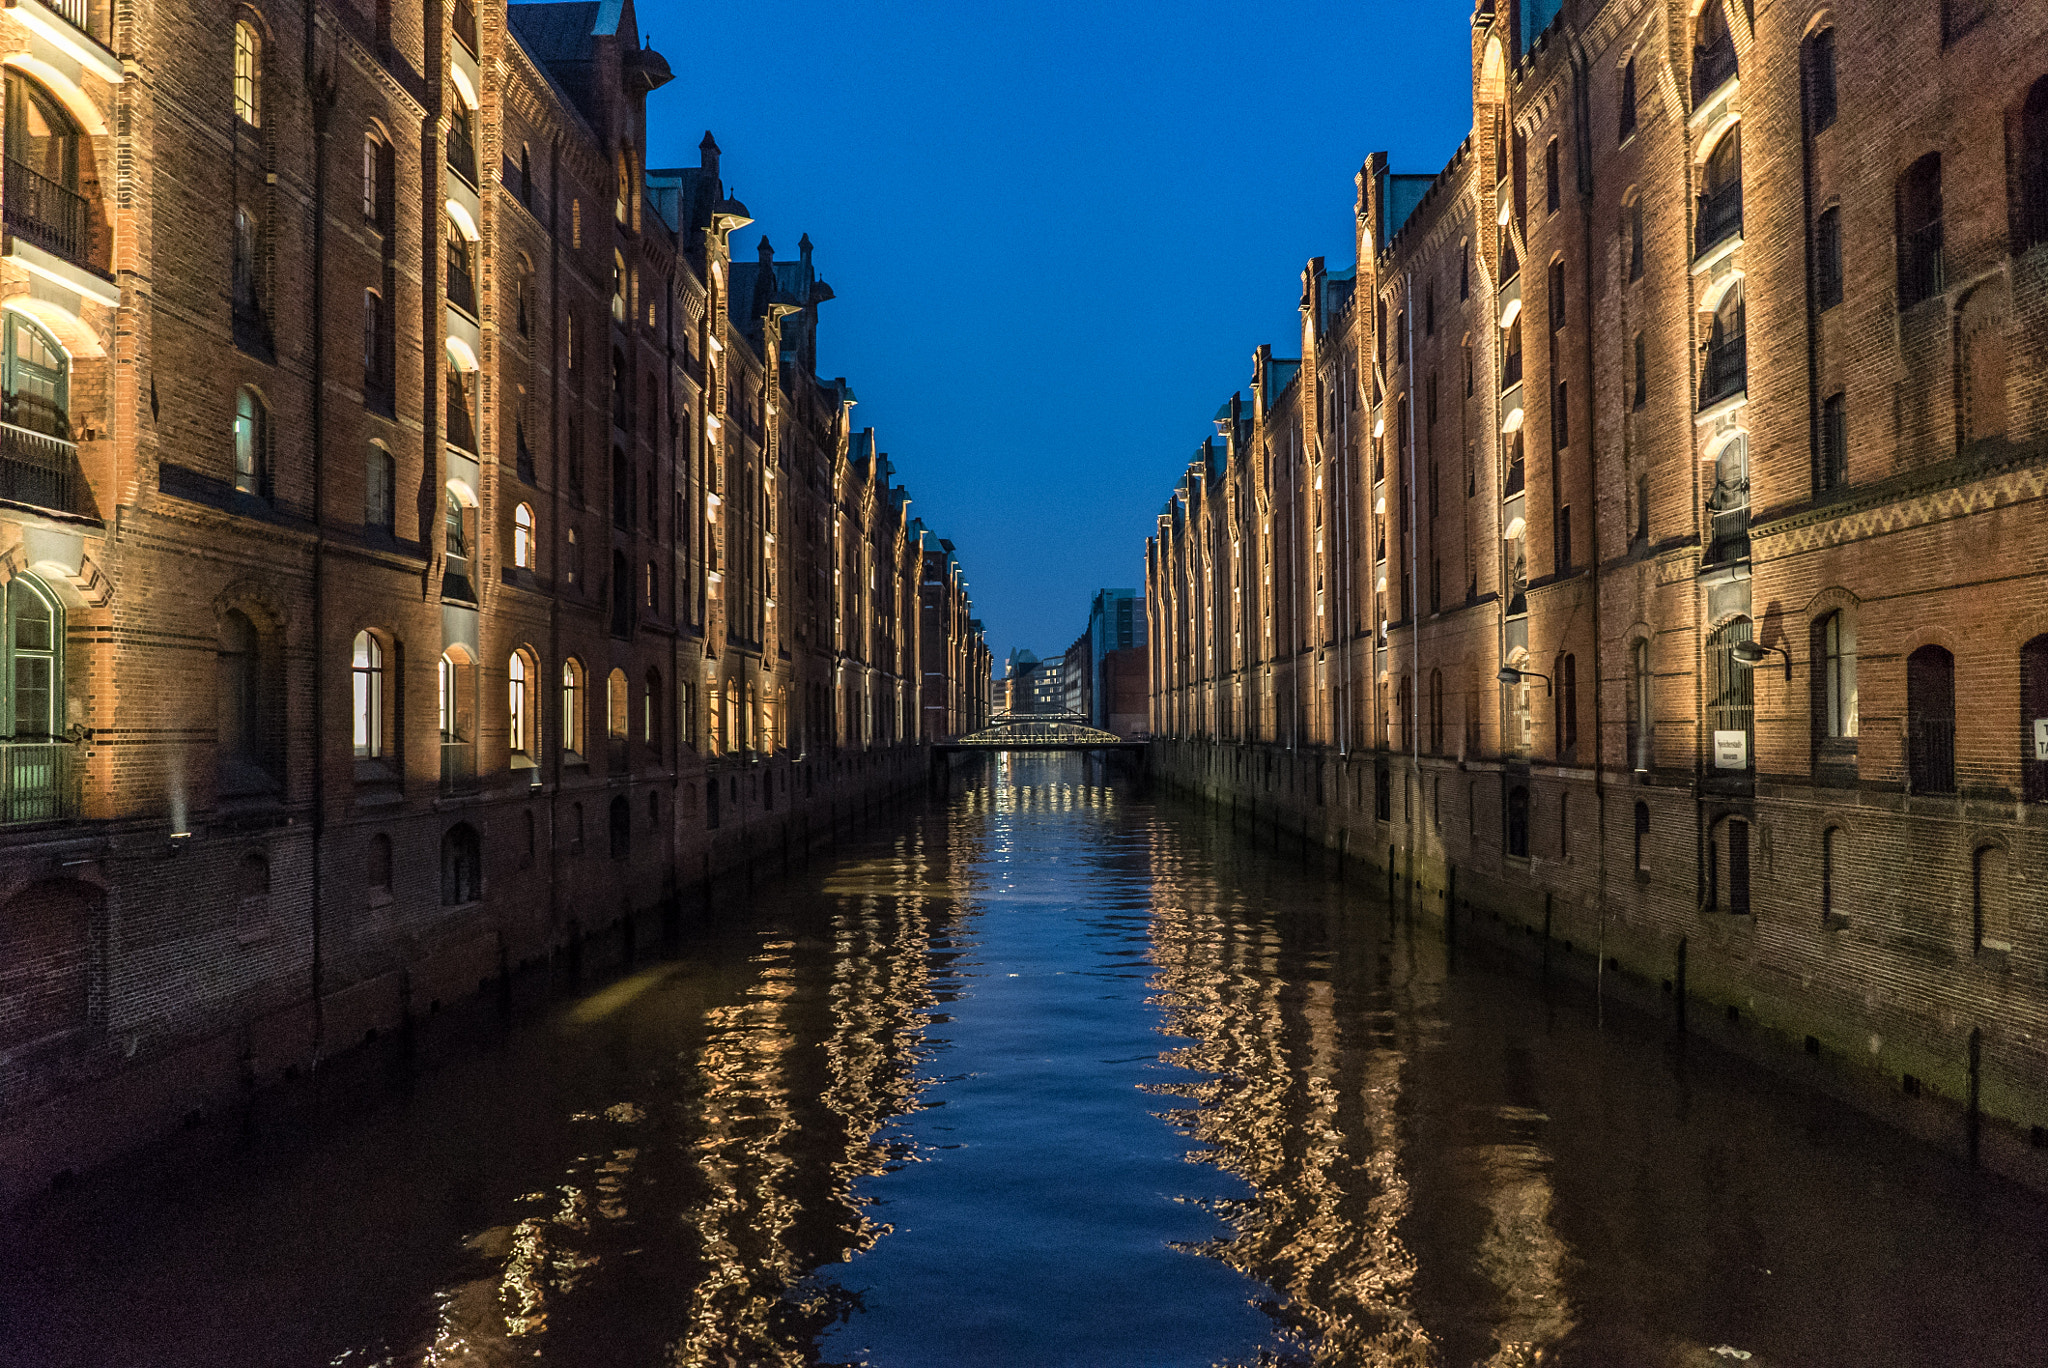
1750 654
1508 674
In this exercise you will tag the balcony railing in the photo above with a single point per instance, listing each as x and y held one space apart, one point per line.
1921 275
1720 217
38 781
48 214
461 285
465 25
462 155
1931 754
1711 68
1728 522
461 423
41 471
1726 372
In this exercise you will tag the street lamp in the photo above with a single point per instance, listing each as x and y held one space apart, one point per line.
1508 674
1750 654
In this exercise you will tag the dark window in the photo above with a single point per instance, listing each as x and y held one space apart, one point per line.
1401 337
1467 350
1642 385
2030 214
1643 837
1518 822
1383 792
462 866
1465 266
1511 364
1713 52
1727 368
1436 712
1720 208
1429 309
1827 256
1553 189
1931 720
380 491
1830 846
1560 419
2034 719
1834 443
377 868
621 822
1919 219
1564 539
1557 303
1820 80
1627 121
1635 240
1738 866
1568 707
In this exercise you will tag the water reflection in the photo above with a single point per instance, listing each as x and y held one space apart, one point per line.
1050 1076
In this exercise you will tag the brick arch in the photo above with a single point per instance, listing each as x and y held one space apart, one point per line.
1930 634
1829 600
256 601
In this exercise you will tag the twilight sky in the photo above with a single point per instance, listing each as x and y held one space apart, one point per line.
1056 231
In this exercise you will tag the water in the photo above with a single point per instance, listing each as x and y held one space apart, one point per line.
1051 1076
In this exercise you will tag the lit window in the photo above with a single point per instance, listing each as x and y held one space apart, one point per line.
248 54
518 681
368 677
251 438
572 706
522 537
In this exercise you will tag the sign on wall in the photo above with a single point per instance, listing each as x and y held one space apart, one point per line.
2041 738
1731 750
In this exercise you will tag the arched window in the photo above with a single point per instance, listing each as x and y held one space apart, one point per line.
518 704
1511 361
461 268
615 705
572 706
243 721
33 670
43 149
619 280
1921 275
462 138
1834 646
366 672
248 72
1436 712
1728 503
456 516
1641 724
622 596
621 822
380 490
650 711
1991 912
37 394
252 443
1720 212
462 866
1728 866
2030 210
1818 54
1518 822
522 536
1625 109
376 370
1731 699
526 175
1553 177
461 405
1931 720
1830 865
1713 52
245 273
622 490
2034 720
523 297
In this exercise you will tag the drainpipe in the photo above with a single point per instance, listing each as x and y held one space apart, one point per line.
1582 111
320 92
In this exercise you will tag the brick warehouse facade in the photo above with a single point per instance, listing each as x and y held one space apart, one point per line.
1648 542
422 546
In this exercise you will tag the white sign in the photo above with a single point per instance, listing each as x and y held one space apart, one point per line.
1731 750
2041 738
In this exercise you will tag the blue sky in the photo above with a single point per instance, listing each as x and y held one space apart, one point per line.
1055 231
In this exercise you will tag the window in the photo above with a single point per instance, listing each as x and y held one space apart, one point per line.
1518 822
457 523
1436 712
461 405
2034 720
462 866
1834 646
43 145
375 385
615 705
377 866
1641 388
653 589
1830 852
380 486
518 702
572 707
1564 539
462 139
1553 189
373 178
244 718
37 389
1511 364
1731 696
621 825
1834 442
246 300
1727 362
1635 239
650 710
1931 720
1429 309
1642 838
367 675
1720 207
1560 418
1641 726
1383 791
1827 256
1626 115
1820 80
32 677
1401 337
1713 52
1728 867
618 285
1567 707
621 591
248 68
252 443
1919 218
574 573
1991 913
2030 214
526 175
461 268
1556 289
522 537
1465 270
1466 349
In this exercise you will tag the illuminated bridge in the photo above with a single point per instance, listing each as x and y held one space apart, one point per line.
1043 731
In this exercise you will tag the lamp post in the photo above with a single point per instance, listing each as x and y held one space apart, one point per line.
1509 674
1750 654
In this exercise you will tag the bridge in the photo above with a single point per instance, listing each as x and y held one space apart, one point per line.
1040 731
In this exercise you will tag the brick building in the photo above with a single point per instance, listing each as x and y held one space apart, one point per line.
1648 537
424 548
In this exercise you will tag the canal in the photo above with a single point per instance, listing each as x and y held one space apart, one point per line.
1048 1074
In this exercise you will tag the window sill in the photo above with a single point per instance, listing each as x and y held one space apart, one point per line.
1724 407
1717 252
